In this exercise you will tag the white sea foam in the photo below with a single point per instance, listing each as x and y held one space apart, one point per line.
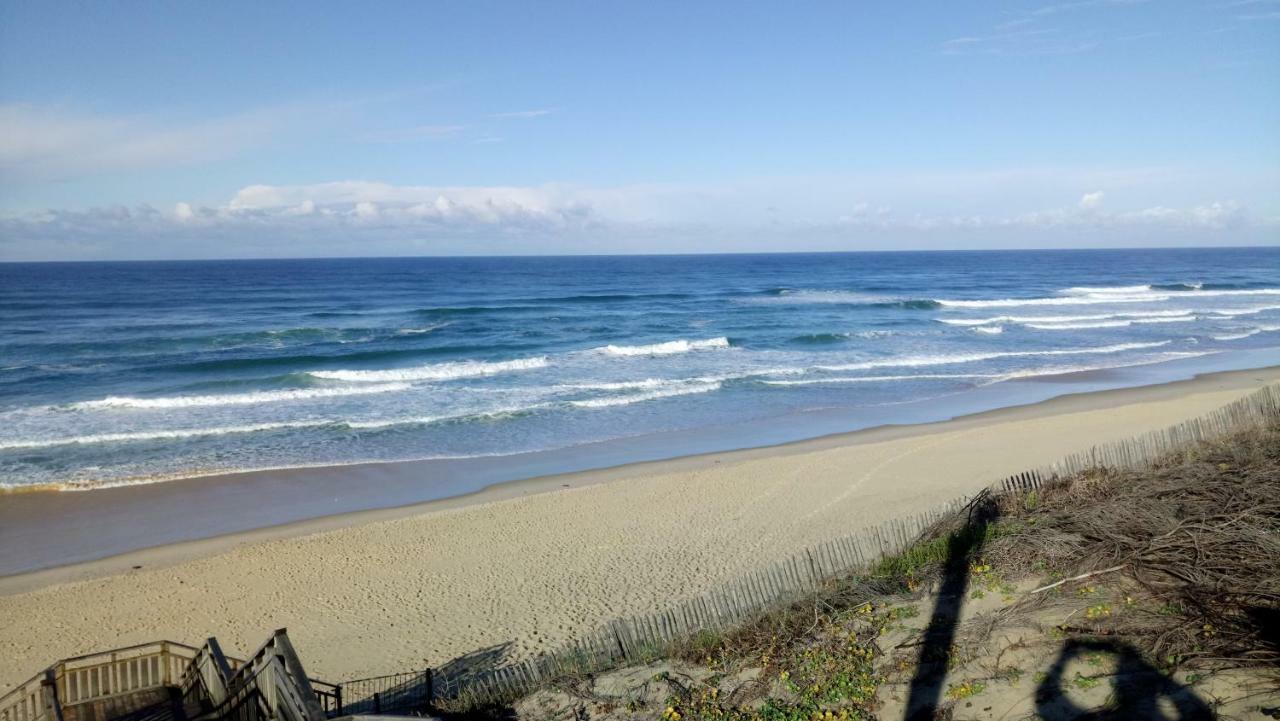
669 348
1117 294
1077 326
818 297
434 372
428 420
879 379
420 331
1110 323
1233 312
625 385
1231 293
138 436
1238 336
236 399
649 396
1063 318
991 377
1100 299
932 360
160 434
1061 370
990 329
1108 290
1189 317
660 383
1249 333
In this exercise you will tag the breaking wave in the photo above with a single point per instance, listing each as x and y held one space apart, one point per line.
434 372
843 297
879 379
1249 333
1062 318
141 436
668 348
642 397
1085 295
236 399
1111 323
933 360
160 434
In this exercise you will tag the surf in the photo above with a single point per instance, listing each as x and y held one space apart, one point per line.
672 347
434 372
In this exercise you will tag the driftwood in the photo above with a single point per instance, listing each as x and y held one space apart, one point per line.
1081 577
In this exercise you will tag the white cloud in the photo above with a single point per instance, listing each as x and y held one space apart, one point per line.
306 207
366 218
548 205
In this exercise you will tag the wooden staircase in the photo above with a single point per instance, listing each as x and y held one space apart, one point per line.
167 681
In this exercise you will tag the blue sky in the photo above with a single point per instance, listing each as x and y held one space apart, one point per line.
147 130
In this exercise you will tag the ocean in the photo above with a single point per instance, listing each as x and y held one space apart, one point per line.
129 372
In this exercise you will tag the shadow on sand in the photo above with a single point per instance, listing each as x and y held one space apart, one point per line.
1139 691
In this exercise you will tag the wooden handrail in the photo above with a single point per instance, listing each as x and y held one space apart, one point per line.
274 677
123 649
94 676
208 679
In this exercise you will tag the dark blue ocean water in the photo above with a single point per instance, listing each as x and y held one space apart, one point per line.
119 372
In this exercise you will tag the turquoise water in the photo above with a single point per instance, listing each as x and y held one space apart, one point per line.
123 372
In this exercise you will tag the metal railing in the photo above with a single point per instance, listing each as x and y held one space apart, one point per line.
329 696
398 693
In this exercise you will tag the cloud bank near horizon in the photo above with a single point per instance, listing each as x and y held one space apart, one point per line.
360 218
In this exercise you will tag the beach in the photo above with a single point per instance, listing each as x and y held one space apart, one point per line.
526 565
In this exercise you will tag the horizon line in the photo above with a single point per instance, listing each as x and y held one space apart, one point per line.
644 255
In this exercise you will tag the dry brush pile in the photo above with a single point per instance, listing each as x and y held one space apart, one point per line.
1197 536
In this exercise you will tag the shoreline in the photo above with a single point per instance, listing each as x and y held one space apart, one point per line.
529 564
86 514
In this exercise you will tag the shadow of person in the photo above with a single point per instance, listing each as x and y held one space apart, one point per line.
1137 689
939 635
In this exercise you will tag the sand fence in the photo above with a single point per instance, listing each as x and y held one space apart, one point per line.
644 638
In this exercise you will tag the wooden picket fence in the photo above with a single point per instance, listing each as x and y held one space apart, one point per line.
643 638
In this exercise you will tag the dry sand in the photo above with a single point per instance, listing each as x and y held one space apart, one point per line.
412 587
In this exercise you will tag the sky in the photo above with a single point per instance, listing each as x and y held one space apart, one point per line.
145 130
